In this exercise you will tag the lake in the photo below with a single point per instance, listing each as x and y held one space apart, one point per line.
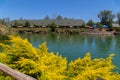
75 46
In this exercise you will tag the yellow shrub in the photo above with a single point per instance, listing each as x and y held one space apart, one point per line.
4 58
44 65
87 69
37 62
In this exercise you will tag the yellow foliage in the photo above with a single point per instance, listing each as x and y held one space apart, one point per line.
37 62
44 65
4 58
87 69
5 77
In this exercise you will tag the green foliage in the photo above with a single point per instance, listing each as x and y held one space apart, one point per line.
53 26
46 18
5 77
5 21
2 21
59 17
27 24
16 23
3 38
116 28
106 17
4 58
99 24
82 26
44 65
90 23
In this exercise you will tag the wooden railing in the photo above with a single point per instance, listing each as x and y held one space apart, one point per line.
14 74
17 75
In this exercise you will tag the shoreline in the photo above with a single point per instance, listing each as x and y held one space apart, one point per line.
61 31
99 33
70 31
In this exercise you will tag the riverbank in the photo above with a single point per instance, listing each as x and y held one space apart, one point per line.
4 30
99 33
44 30
70 31
48 30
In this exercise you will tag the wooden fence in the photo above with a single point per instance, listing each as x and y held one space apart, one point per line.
14 74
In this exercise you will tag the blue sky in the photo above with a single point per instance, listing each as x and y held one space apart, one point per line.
38 9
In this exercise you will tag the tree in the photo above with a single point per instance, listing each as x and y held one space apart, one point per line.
90 23
46 18
98 24
59 17
7 21
3 21
65 18
21 19
118 16
82 26
16 23
53 26
106 17
27 24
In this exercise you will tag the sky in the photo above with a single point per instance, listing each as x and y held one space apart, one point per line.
38 9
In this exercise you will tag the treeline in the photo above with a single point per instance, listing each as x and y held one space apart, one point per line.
106 18
46 21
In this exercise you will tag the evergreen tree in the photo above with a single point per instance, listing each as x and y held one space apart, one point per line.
16 23
27 24
98 24
90 23
53 26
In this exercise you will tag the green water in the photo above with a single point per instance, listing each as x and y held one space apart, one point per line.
74 46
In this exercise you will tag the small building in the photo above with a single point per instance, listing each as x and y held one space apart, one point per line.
115 25
95 26
60 23
105 28
20 26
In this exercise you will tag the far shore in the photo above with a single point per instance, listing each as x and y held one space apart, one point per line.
82 31
99 33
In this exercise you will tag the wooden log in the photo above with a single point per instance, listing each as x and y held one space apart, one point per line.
14 74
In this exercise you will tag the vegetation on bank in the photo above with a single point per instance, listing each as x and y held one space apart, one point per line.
106 18
43 65
62 24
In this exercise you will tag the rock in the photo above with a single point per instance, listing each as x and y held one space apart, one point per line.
3 30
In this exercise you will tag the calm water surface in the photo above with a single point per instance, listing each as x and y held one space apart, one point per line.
74 46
